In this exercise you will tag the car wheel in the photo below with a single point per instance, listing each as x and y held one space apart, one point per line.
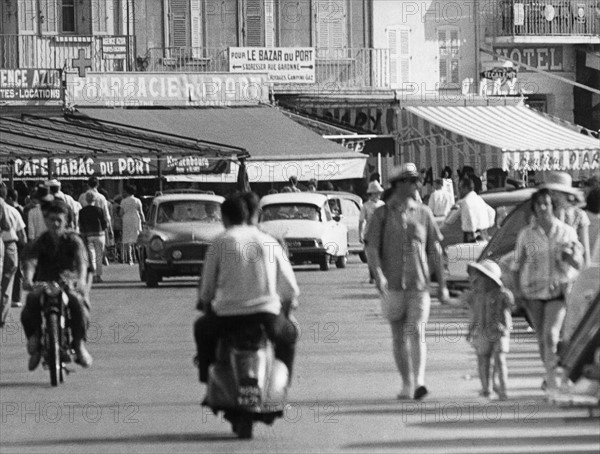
324 262
341 261
142 267
152 277
363 256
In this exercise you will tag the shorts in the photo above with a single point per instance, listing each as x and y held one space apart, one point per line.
409 306
486 347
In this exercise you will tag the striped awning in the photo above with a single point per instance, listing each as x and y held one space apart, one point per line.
510 128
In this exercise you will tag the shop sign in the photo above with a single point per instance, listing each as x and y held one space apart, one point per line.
547 58
84 167
552 160
284 65
167 89
37 85
114 48
193 165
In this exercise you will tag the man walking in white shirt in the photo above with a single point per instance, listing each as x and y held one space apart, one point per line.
475 215
440 201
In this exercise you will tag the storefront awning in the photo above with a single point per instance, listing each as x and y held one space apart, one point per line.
34 147
512 137
278 146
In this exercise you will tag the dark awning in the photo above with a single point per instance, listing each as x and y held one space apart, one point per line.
278 146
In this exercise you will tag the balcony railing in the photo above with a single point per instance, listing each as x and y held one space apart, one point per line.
547 18
348 68
106 53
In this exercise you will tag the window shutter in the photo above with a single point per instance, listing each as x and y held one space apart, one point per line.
196 17
392 36
27 16
331 24
49 9
179 23
254 30
99 16
449 54
269 23
404 55
399 46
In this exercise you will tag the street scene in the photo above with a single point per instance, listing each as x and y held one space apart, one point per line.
142 393
299 226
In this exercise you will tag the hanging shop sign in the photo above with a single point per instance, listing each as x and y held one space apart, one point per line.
498 81
162 89
552 160
284 65
126 167
114 47
31 85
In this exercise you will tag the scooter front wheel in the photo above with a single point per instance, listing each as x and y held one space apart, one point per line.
243 426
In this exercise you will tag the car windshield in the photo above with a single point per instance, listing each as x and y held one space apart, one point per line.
188 211
290 211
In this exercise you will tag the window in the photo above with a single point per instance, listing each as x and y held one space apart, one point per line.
260 23
68 23
27 16
331 27
399 45
49 16
449 45
185 24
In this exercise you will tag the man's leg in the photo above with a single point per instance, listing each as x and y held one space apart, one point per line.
402 357
418 304
91 250
11 260
31 319
206 335
17 290
99 244
80 321
554 316
284 334
535 310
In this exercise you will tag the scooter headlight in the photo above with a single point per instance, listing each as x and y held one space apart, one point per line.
157 244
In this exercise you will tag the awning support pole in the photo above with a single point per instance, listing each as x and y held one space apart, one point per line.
159 173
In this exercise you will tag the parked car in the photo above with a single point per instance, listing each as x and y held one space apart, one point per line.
178 230
305 223
459 254
348 206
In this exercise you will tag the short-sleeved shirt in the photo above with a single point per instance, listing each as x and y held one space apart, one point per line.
15 223
404 234
367 211
56 257
491 314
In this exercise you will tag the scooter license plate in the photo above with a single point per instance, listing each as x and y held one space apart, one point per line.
249 395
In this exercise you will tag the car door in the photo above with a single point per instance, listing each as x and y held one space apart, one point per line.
351 214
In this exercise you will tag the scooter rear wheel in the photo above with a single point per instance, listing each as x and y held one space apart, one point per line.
54 363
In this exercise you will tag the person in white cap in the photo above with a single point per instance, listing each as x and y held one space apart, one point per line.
54 186
366 212
403 242
490 326
565 197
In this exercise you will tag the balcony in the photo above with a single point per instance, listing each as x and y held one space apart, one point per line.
549 21
106 53
347 69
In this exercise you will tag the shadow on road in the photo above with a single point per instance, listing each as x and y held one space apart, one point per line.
134 439
17 384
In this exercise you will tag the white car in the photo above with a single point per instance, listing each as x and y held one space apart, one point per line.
304 222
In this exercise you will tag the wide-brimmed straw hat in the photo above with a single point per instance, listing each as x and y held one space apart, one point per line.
403 172
560 181
375 188
488 268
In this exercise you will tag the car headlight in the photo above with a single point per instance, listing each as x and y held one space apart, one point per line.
176 254
157 244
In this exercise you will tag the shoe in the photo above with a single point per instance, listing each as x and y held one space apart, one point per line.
16 304
420 392
544 385
371 280
483 393
84 359
34 360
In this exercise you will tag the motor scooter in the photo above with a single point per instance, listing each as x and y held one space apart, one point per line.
246 382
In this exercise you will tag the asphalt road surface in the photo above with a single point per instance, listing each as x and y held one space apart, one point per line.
142 393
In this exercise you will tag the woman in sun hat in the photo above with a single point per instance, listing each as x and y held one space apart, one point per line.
566 199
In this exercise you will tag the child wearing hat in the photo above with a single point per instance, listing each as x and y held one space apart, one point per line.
491 322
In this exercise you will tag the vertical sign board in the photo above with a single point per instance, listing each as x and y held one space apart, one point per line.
284 65
114 48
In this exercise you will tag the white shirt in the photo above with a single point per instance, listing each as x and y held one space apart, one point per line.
15 221
475 215
35 222
246 272
366 213
440 202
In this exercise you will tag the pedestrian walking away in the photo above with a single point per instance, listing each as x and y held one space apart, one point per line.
132 218
403 242
491 322
547 255
92 225
440 200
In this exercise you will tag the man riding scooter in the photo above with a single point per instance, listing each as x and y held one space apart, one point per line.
57 255
245 277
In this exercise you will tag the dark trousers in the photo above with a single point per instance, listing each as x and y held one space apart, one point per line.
31 316
11 263
208 328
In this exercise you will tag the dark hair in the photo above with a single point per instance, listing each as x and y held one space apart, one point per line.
58 207
375 177
3 190
439 181
11 193
538 195
593 201
447 172
468 183
293 180
130 189
92 182
235 209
